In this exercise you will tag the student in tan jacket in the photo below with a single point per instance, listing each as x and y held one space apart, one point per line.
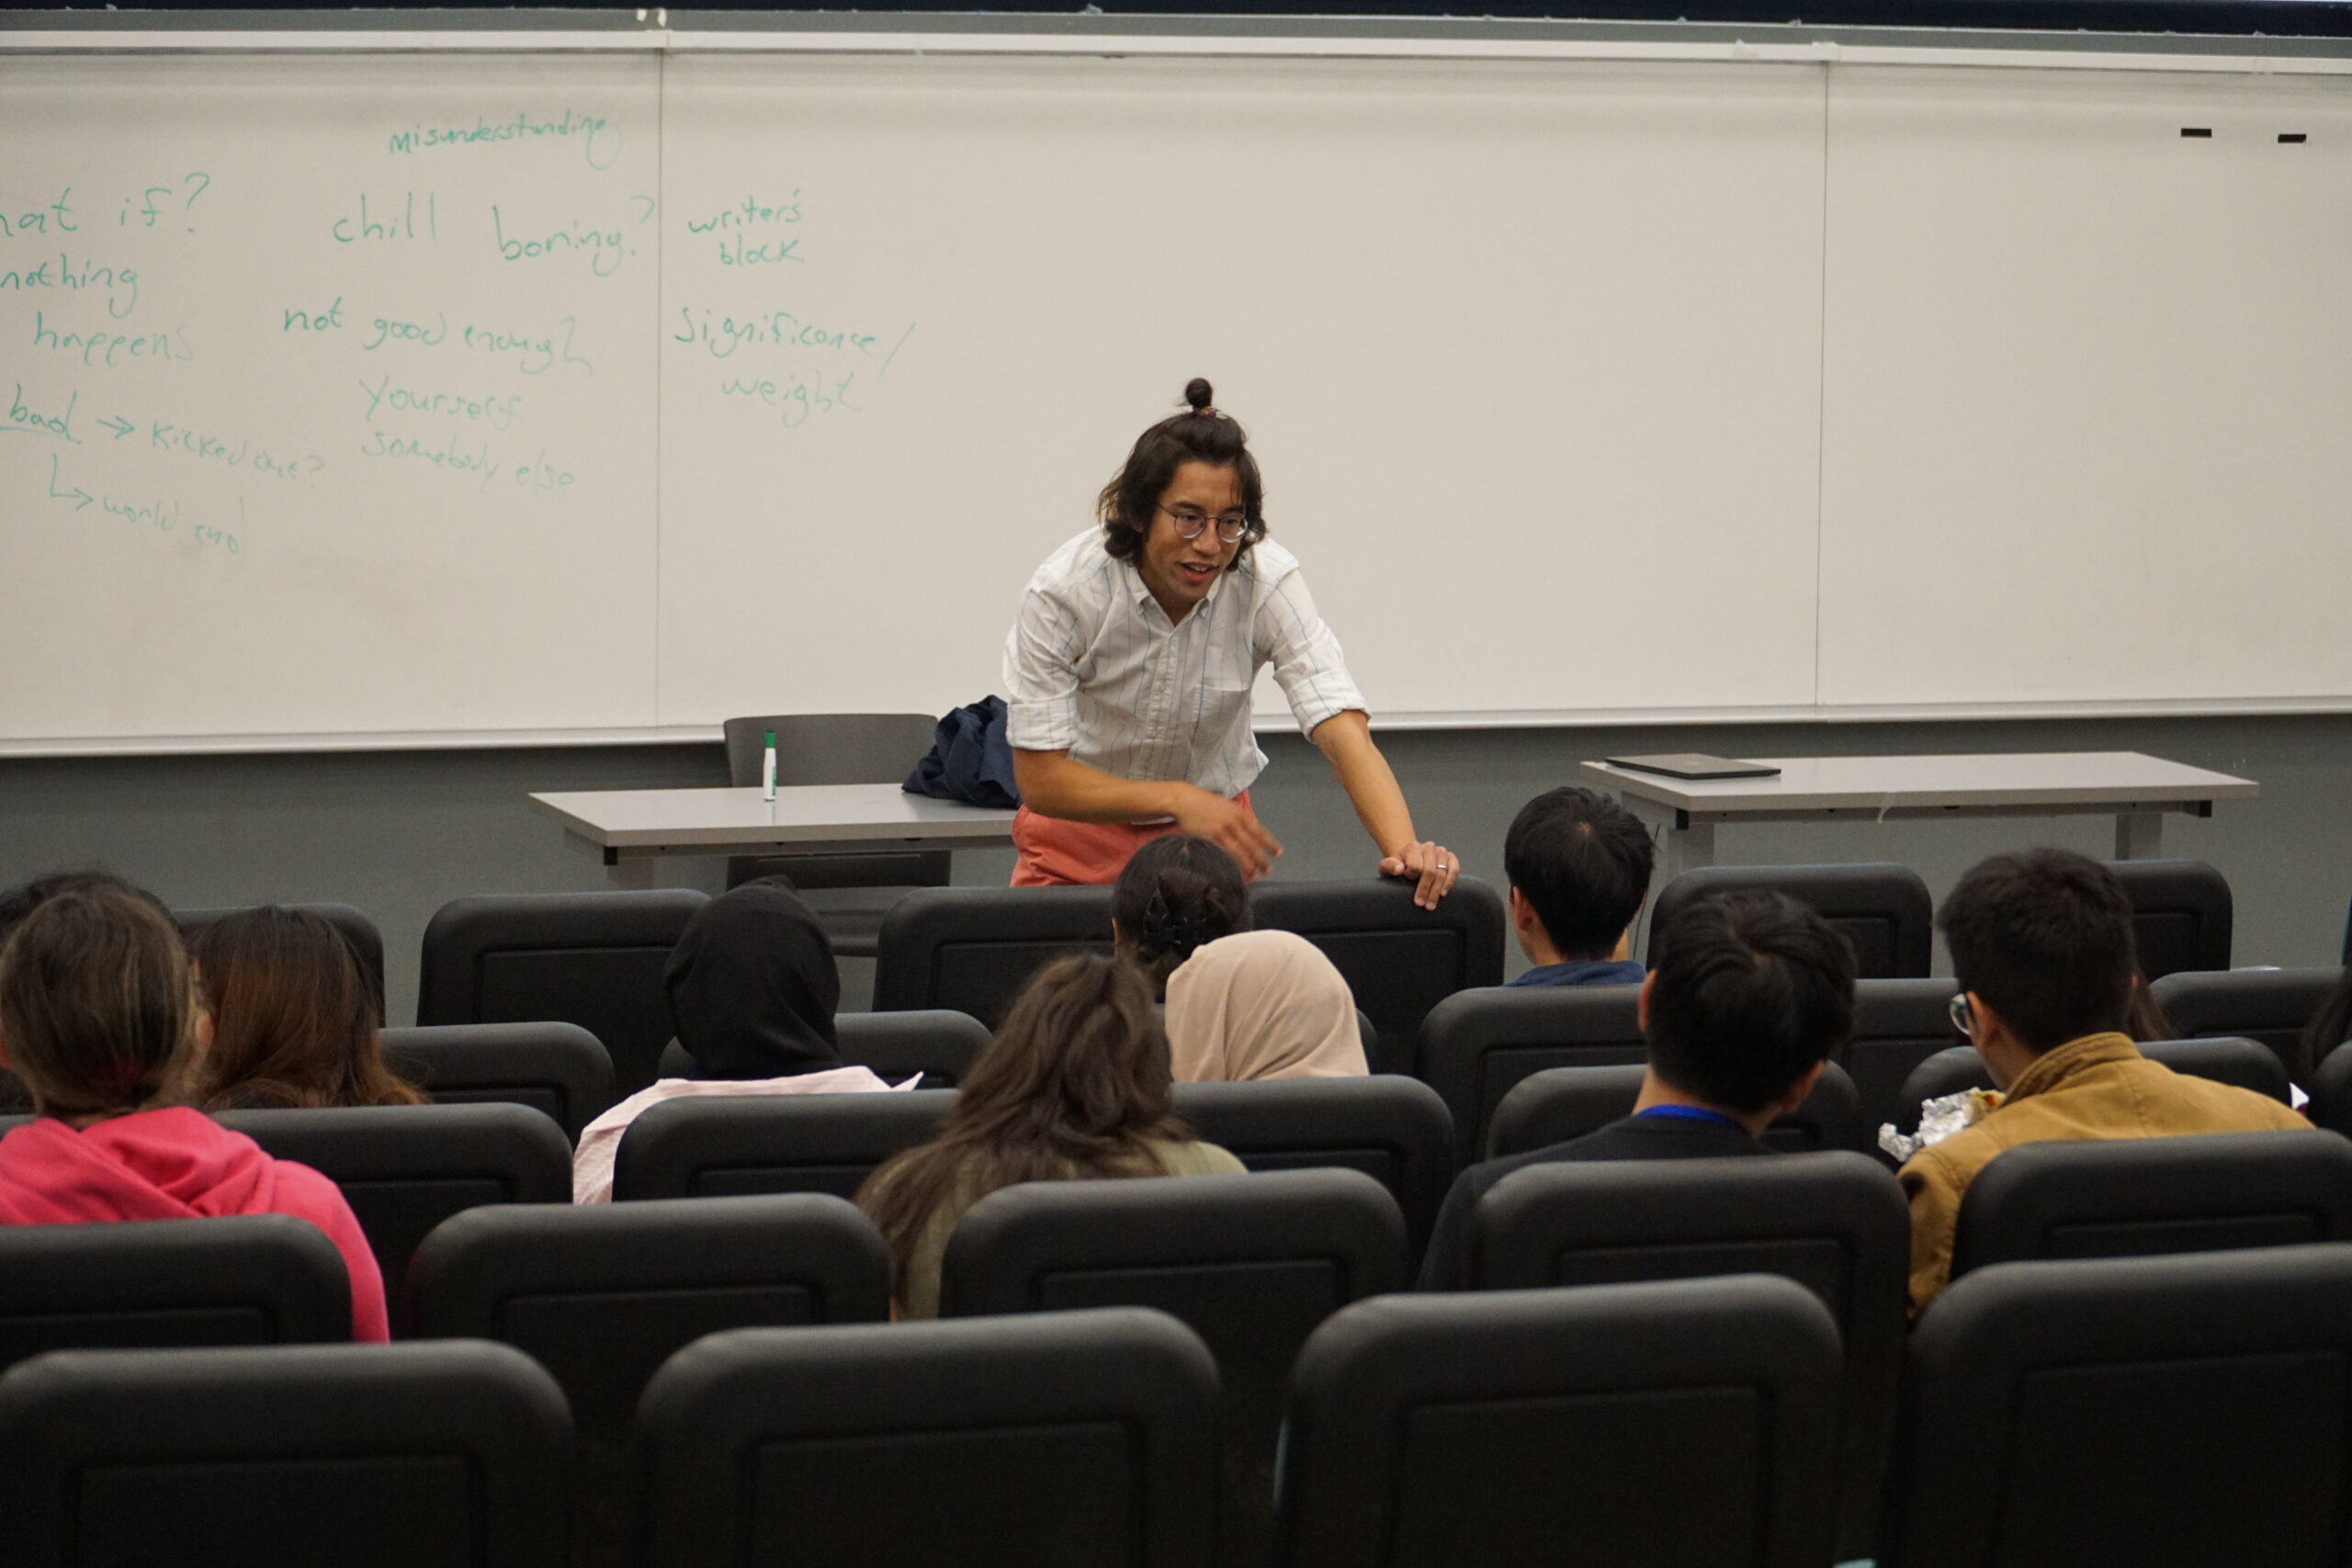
2042 944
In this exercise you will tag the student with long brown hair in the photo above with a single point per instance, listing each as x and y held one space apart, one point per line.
101 1018
1075 1087
294 1020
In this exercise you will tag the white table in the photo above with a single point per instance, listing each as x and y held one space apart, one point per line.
2138 791
631 828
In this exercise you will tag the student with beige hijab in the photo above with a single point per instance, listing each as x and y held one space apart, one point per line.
1261 1005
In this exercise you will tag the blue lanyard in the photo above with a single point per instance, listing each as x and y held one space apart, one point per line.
1691 1113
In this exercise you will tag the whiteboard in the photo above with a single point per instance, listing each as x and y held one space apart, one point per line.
1473 317
311 427
2086 389
384 398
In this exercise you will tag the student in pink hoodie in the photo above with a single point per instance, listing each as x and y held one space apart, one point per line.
100 1017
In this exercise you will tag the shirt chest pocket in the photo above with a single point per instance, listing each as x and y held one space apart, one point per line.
1218 702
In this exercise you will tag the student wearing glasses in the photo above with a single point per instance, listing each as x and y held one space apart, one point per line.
1130 667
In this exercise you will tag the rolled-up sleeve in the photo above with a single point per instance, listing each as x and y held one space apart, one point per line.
1309 665
1040 675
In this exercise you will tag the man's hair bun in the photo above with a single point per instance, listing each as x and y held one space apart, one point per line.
1199 393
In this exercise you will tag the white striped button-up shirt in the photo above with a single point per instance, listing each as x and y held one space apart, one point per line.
1094 667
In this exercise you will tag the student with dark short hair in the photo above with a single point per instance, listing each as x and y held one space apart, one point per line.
2042 945
1579 867
1751 993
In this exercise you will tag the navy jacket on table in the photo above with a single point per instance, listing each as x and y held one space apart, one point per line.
1647 1136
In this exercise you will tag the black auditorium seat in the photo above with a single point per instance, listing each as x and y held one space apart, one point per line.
2181 914
2268 1006
1687 1425
370 1456
1398 959
1476 1045
560 1069
1835 1222
2173 1412
721 1146
601 1294
2121 1198
1059 1440
405 1169
1882 908
1560 1103
1250 1263
592 959
973 948
1396 1130
243 1279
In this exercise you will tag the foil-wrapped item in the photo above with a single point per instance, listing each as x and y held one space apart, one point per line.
1939 1119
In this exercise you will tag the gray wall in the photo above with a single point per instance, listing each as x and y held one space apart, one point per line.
397 834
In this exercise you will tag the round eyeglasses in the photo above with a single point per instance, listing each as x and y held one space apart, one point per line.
1230 525
1963 1017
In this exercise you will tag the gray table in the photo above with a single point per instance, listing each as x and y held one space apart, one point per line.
631 828
2138 791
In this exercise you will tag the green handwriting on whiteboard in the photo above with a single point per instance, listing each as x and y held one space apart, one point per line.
102 348
603 247
475 459
723 336
118 284
393 217
599 141
161 516
535 353
796 398
389 397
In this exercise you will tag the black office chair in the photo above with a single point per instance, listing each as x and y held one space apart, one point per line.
2241 1062
939 1045
1560 1103
367 942
2269 1007
1897 1025
559 1069
839 749
402 1455
1688 1424
1882 908
719 1146
245 1280
1062 1441
973 948
405 1169
592 959
2127 1197
1401 961
1394 1130
2181 914
1835 1223
2162 1412
601 1295
1250 1263
1473 1046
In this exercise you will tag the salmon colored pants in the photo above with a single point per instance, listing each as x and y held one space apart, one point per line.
1054 853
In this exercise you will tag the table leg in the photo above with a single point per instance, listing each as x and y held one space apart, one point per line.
1680 849
2139 835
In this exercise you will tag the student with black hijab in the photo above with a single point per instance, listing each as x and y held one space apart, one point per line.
753 988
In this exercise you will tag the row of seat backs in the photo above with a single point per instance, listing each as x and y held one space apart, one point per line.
1483 1044
1258 1264
405 1170
596 958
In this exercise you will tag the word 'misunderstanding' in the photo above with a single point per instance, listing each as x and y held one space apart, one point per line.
599 140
